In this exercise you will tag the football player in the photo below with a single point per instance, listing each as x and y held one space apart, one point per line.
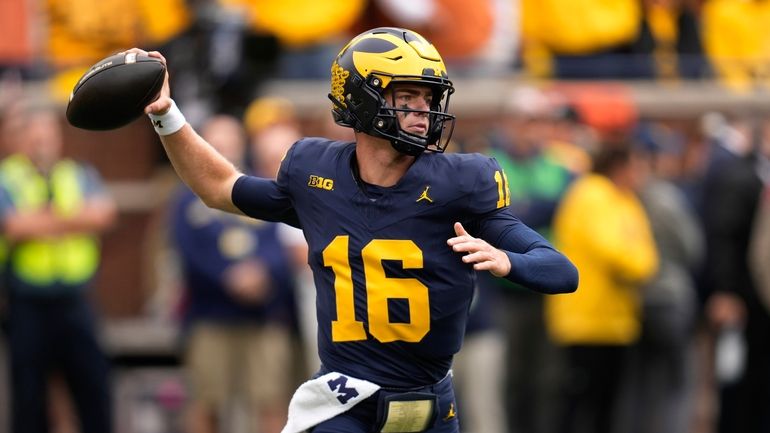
396 231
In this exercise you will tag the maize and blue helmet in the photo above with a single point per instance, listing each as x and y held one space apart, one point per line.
376 59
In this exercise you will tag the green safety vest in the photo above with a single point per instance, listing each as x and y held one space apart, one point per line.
70 259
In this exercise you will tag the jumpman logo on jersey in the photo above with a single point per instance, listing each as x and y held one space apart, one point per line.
451 414
424 195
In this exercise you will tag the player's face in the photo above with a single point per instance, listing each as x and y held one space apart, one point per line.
413 97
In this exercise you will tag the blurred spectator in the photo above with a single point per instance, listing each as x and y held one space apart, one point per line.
733 308
8 132
17 47
660 376
760 238
480 368
221 61
607 109
52 212
717 141
569 140
601 225
737 42
273 126
671 34
724 141
760 254
309 32
498 56
521 143
517 355
267 117
583 40
235 46
473 37
81 32
600 39
238 306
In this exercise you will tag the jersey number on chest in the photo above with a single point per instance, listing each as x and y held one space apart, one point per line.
379 289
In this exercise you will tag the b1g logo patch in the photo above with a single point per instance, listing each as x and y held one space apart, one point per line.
320 182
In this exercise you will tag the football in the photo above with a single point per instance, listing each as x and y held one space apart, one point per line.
115 91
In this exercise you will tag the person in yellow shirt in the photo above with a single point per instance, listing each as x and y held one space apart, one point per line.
737 42
80 32
52 211
579 40
602 226
309 32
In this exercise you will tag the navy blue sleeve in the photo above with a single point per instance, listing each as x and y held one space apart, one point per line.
263 199
535 264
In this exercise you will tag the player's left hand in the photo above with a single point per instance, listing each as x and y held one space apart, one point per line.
484 257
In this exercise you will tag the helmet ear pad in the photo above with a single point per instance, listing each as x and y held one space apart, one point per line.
384 123
362 102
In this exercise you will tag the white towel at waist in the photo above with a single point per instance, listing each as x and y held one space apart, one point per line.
325 397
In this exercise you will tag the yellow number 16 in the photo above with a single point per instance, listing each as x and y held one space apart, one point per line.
379 289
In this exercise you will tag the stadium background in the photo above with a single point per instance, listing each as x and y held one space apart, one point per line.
683 59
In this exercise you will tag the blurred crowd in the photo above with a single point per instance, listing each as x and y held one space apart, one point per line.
667 219
221 51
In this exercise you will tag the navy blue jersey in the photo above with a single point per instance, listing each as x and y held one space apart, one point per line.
392 296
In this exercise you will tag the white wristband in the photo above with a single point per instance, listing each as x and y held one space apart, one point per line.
170 122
